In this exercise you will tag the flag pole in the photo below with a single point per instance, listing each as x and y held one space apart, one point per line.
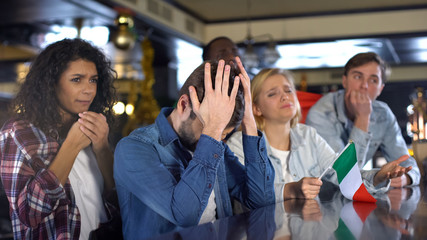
336 157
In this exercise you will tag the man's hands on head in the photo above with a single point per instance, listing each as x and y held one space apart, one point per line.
248 123
393 170
217 107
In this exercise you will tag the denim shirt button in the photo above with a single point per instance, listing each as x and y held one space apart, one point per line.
268 177
262 149
210 185
215 155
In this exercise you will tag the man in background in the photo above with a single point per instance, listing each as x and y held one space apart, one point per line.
220 48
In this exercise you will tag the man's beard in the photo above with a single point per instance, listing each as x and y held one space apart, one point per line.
187 136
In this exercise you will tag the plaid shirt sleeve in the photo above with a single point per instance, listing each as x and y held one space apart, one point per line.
40 207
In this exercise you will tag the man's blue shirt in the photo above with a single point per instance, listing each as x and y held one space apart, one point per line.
162 185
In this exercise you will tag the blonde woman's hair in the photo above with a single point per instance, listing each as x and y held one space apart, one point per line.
257 83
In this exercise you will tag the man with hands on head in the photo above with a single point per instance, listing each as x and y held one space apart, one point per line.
177 171
354 113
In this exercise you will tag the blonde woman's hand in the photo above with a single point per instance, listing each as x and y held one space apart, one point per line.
306 188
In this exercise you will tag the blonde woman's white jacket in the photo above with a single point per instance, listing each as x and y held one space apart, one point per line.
309 156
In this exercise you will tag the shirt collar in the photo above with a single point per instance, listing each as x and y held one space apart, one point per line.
166 133
296 140
340 105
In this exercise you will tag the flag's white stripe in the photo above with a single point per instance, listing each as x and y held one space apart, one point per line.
351 182
352 220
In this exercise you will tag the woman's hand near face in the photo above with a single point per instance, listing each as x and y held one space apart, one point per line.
77 138
95 127
75 141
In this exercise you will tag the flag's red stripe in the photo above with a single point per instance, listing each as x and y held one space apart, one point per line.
363 209
363 195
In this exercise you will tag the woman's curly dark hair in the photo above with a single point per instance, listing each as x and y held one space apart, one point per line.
36 101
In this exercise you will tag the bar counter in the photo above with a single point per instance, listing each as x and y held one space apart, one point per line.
401 213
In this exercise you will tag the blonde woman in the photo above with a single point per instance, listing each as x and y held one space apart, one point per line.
298 154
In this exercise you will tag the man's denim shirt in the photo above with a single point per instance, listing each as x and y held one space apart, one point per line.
329 118
159 187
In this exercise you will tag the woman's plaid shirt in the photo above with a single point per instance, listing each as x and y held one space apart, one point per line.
40 207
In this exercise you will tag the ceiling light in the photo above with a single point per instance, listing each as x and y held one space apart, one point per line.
119 108
129 109
271 54
124 38
250 58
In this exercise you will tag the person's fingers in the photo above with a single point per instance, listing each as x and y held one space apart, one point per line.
311 194
353 97
314 181
395 174
348 94
311 190
208 78
356 96
226 80
91 135
245 84
90 126
401 159
96 122
194 98
93 116
219 77
235 88
242 69
88 118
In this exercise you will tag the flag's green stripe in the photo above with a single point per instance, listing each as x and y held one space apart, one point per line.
343 232
345 162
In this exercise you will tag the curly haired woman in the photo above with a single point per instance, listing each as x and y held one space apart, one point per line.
56 163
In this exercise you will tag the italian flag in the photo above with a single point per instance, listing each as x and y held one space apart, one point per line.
349 177
352 218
